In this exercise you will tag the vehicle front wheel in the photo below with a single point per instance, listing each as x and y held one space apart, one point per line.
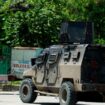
26 91
67 94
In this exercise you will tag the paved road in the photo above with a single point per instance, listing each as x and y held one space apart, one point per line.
12 98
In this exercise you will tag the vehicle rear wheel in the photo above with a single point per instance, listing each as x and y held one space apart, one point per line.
26 91
67 94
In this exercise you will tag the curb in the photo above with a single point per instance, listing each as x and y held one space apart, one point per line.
9 93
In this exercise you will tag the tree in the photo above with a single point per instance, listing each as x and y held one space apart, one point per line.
37 22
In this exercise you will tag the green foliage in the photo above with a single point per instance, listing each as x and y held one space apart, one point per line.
36 27
97 15
100 41
37 22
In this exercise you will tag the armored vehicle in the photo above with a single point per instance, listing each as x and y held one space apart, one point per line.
74 68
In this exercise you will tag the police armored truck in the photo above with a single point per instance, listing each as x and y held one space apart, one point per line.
74 68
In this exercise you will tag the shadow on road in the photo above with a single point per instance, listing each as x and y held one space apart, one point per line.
47 103
54 103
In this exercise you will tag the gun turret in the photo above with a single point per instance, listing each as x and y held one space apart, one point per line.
76 32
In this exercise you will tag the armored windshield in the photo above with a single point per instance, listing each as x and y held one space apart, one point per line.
76 32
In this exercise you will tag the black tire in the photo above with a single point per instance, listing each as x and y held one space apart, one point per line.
67 94
26 91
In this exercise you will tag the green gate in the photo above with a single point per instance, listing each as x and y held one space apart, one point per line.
5 60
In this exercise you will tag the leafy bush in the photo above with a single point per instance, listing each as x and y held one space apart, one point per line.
100 41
